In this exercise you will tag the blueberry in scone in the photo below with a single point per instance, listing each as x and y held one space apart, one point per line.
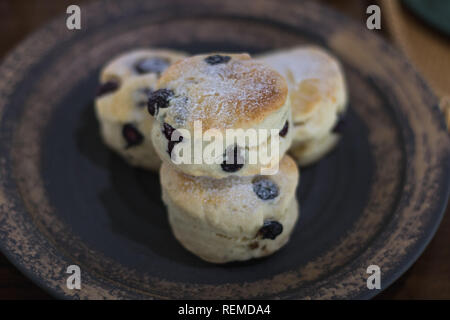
132 135
265 188
270 230
216 59
154 64
107 87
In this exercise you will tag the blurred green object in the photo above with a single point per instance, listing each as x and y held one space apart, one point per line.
434 12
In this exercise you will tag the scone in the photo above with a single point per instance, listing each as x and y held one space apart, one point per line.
235 218
121 104
318 95
215 95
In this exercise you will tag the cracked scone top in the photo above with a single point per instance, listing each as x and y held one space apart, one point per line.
234 218
220 92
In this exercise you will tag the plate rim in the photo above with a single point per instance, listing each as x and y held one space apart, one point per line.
432 228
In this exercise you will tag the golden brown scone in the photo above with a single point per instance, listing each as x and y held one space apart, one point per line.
236 218
318 94
221 91
310 151
121 103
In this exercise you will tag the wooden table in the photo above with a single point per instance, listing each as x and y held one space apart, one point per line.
429 278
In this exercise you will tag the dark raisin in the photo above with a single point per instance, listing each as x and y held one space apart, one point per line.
265 188
340 124
270 229
168 130
132 135
233 160
216 59
284 131
156 65
158 99
107 87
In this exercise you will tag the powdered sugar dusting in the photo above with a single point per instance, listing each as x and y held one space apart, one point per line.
222 95
233 190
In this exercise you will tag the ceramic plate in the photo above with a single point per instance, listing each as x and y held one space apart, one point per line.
66 199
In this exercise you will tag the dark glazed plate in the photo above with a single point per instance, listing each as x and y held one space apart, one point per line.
66 199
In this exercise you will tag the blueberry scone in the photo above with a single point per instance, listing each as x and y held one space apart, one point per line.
200 98
121 103
235 218
318 95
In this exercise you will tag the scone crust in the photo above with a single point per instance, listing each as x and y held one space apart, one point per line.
240 93
221 220
214 170
315 79
122 66
118 105
236 94
318 94
128 105
229 205
217 248
309 152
